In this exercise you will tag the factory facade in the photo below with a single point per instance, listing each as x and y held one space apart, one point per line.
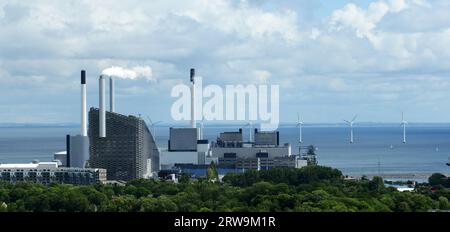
50 172
264 153
121 147
188 150
128 151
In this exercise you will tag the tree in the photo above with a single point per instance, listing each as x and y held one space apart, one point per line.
443 203
311 156
185 178
3 207
437 179
124 204
376 184
160 204
212 174
403 207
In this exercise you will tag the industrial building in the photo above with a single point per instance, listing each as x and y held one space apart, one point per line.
121 144
77 147
262 154
128 151
50 172
260 163
191 153
266 145
186 145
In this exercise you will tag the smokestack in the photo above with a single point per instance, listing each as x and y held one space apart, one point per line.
102 112
112 95
68 151
83 104
193 123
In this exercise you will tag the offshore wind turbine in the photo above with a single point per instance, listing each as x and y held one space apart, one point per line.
403 123
350 124
300 127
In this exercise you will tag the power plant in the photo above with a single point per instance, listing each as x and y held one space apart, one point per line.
78 146
123 145
189 151
128 151
123 148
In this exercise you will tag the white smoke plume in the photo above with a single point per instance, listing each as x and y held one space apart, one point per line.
132 74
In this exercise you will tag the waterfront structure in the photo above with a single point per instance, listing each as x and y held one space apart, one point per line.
350 124
61 156
229 152
403 124
262 163
264 153
128 150
267 138
266 145
50 172
184 147
77 151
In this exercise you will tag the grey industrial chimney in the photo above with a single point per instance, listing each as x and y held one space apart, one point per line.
112 95
102 110
78 146
68 151
83 104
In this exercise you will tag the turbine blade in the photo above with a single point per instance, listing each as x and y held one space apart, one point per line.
354 118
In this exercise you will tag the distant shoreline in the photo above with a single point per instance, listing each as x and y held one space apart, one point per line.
234 125
405 176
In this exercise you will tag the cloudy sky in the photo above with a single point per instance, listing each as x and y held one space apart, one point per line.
331 60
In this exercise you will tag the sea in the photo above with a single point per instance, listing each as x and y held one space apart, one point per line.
377 148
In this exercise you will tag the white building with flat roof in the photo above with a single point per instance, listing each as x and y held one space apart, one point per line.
50 172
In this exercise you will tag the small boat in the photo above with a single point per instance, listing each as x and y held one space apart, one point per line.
392 147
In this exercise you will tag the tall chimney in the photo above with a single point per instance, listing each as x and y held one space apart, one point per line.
68 151
83 104
112 95
102 112
193 123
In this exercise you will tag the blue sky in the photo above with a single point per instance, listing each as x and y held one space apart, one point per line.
332 59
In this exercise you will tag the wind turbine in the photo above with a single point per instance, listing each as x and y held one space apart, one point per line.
152 125
300 126
404 122
350 123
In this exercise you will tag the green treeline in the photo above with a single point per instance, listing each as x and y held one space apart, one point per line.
309 189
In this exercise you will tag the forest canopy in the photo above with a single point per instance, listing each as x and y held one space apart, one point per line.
309 189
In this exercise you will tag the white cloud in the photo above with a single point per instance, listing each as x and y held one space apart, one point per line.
244 20
351 55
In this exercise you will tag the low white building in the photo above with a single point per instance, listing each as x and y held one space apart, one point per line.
50 172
